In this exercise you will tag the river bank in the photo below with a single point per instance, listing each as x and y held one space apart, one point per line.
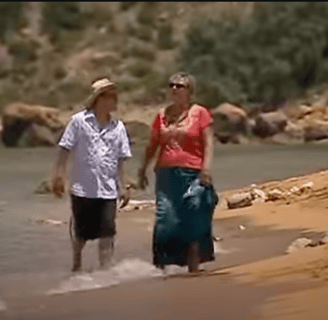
253 271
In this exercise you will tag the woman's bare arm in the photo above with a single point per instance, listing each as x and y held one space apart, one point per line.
208 142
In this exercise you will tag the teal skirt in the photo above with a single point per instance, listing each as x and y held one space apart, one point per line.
184 215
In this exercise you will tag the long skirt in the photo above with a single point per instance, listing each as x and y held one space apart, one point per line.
184 215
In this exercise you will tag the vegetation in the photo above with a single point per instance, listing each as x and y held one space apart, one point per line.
238 52
11 18
280 51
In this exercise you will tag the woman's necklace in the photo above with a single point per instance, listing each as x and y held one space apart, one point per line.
176 115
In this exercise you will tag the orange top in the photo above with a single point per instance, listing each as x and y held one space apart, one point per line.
181 144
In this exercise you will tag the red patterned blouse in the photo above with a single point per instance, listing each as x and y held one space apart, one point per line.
181 143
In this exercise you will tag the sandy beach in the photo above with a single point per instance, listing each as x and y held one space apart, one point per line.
257 285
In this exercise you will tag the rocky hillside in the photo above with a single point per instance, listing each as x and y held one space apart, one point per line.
58 49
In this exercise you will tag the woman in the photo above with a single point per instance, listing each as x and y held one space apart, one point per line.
185 197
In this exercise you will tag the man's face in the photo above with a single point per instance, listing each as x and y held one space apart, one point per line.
107 100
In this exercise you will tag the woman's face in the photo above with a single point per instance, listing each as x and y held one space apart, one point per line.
179 91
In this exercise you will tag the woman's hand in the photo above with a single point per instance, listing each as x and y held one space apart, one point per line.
142 179
205 177
58 186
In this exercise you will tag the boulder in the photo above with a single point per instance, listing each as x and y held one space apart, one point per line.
239 200
295 131
275 194
315 129
25 125
298 244
268 124
138 132
228 117
304 110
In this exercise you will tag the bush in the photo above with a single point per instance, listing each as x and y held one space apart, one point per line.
125 5
61 16
279 52
164 37
140 49
147 14
24 50
11 14
139 69
144 33
154 82
127 86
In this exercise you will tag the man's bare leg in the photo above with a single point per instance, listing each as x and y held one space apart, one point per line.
106 251
77 245
193 257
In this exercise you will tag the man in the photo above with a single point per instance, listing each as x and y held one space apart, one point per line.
100 145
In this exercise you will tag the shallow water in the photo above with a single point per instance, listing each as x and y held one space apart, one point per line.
36 257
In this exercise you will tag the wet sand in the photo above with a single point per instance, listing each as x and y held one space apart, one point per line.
216 296
204 297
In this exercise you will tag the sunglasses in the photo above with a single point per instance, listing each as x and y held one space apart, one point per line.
177 85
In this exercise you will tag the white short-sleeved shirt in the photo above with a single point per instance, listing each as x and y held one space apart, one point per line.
96 153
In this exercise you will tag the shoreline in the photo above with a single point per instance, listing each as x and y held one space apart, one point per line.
284 282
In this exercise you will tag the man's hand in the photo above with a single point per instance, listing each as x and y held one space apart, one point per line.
124 197
58 186
142 179
205 177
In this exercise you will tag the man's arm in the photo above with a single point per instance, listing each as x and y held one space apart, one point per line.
59 172
124 193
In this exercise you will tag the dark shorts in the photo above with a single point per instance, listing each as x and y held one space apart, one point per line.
93 217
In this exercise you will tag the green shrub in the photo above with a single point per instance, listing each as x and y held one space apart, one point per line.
278 52
140 49
164 37
125 5
61 17
24 50
11 15
154 82
128 86
148 13
139 69
144 33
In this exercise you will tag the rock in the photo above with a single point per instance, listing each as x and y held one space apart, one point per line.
25 125
231 137
274 195
229 118
138 132
283 138
306 186
294 131
258 195
268 124
298 244
315 129
44 187
239 200
304 110
324 240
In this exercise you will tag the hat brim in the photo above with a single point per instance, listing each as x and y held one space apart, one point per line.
94 95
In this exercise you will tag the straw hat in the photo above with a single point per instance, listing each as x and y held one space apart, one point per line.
98 87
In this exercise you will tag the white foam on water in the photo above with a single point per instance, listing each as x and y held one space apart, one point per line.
126 270
219 249
3 306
